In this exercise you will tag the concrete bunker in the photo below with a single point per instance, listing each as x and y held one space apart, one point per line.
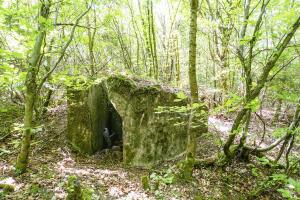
90 113
129 108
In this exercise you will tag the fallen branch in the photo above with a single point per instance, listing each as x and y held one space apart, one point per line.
264 125
287 135
268 148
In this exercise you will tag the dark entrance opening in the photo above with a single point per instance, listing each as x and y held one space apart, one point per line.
114 127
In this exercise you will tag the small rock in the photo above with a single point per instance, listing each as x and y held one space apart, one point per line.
116 148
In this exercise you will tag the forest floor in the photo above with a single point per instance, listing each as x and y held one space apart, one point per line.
51 162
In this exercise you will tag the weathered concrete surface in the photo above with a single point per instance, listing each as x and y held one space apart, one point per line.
87 117
149 137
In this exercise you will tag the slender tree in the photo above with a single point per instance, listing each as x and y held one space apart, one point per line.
91 41
252 92
177 63
191 142
31 86
192 51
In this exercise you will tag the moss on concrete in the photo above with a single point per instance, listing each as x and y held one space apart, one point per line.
149 137
87 117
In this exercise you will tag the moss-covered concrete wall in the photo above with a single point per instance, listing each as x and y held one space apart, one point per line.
149 137
87 117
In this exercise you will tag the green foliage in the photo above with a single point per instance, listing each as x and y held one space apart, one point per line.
180 97
10 77
78 192
36 189
6 188
87 194
264 161
158 180
186 169
280 132
145 182
254 105
288 187
294 164
286 193
291 187
76 81
255 172
159 195
74 189
232 104
166 177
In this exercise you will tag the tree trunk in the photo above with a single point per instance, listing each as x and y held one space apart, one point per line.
31 86
192 51
91 41
191 142
150 38
251 94
290 133
155 61
145 41
177 63
32 89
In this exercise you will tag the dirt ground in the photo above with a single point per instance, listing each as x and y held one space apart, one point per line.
52 161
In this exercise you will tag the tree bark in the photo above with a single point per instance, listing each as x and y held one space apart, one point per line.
192 51
31 86
91 41
191 142
155 60
251 94
177 64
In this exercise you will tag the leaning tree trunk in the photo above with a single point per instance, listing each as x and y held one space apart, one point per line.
291 131
287 137
31 86
254 93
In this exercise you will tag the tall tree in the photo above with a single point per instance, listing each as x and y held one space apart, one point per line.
31 86
91 41
252 91
192 50
191 142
